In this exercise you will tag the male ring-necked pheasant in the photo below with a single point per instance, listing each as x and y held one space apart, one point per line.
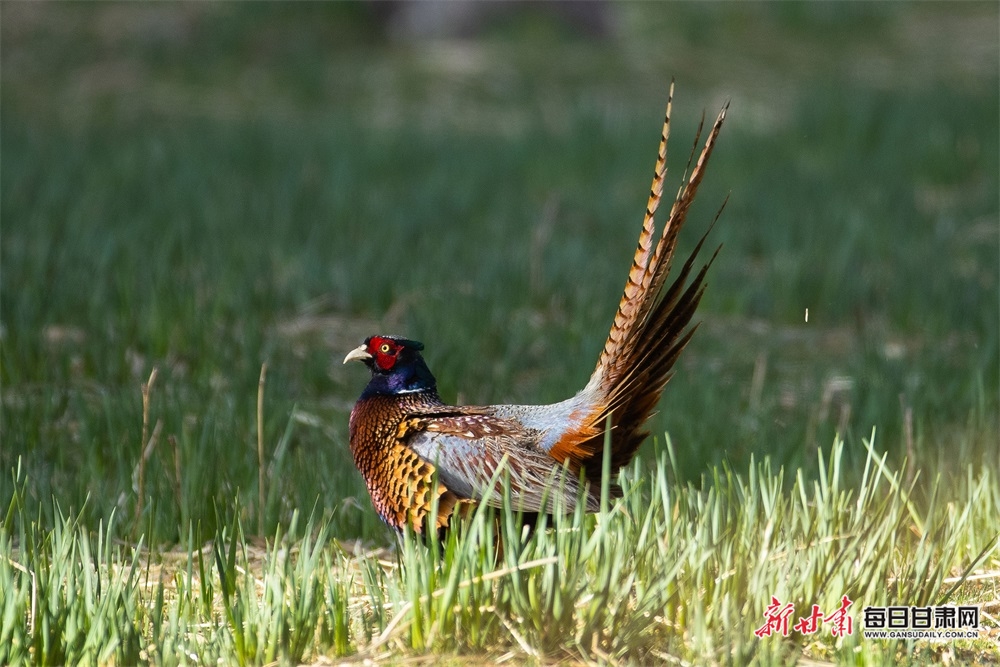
402 432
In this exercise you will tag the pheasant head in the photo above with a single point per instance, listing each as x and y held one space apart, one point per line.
396 366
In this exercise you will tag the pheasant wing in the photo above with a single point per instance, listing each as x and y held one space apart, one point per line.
473 452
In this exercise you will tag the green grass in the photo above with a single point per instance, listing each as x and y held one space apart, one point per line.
201 189
704 564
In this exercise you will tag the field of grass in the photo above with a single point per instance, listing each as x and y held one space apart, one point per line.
197 190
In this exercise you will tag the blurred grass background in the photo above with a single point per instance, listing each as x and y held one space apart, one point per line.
203 187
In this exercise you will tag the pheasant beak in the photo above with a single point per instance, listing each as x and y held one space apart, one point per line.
360 353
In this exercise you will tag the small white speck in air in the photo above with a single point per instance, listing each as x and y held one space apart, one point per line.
807 315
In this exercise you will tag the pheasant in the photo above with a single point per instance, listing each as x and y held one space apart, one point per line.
416 452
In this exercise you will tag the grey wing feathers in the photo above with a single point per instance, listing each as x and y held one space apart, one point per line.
469 468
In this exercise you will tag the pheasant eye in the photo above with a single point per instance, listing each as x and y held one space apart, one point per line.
384 348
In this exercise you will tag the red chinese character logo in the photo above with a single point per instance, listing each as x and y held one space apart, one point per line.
777 618
843 624
811 623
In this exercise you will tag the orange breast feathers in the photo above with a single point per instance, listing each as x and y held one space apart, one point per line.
401 484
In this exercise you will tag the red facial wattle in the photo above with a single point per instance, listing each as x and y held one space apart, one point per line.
384 352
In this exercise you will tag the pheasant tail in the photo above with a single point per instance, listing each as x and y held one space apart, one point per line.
651 326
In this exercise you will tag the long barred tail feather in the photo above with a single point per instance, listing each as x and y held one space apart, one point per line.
630 310
651 326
